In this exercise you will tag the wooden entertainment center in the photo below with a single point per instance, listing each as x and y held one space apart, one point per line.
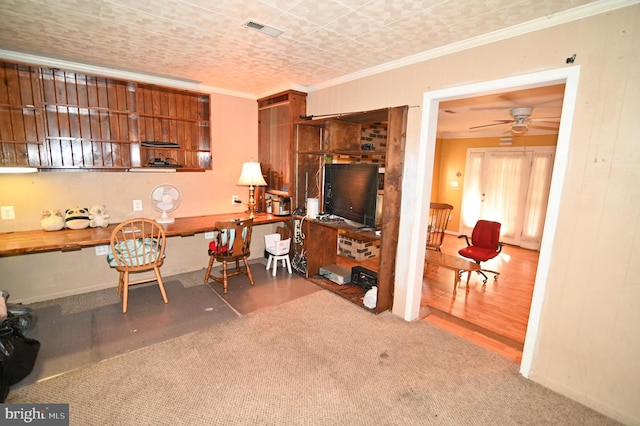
374 136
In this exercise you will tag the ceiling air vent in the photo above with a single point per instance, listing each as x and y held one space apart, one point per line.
265 29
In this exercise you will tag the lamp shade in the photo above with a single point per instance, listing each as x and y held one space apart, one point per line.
251 175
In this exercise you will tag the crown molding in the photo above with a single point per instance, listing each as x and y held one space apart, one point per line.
118 74
581 12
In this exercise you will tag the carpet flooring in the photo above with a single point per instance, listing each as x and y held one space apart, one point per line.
314 360
80 330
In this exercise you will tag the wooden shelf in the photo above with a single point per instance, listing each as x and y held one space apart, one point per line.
341 152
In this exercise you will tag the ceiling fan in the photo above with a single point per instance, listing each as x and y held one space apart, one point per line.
521 121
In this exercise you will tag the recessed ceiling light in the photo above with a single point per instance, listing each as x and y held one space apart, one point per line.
273 32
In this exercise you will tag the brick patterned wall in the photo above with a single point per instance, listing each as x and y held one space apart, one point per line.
358 250
376 134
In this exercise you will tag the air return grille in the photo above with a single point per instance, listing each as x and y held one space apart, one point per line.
273 32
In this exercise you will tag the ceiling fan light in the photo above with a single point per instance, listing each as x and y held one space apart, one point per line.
519 129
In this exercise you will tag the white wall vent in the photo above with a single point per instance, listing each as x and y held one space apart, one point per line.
273 32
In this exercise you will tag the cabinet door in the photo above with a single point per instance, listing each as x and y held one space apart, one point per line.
89 120
321 243
342 136
275 147
276 115
21 125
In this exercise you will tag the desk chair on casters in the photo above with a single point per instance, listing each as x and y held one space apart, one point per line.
137 245
231 243
277 249
485 244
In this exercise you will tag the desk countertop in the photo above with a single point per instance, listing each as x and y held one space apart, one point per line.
38 240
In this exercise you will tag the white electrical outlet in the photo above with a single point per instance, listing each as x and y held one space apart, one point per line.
235 199
102 250
7 212
137 205
208 235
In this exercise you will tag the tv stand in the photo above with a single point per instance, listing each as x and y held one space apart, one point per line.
339 139
321 247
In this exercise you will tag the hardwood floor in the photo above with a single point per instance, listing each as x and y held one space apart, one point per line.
494 315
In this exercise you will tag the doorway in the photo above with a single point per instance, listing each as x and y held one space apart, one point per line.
416 216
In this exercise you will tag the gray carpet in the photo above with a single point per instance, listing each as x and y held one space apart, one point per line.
80 330
316 360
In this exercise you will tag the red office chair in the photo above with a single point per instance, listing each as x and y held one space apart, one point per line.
485 244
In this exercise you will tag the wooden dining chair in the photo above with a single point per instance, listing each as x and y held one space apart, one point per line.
137 245
231 243
439 215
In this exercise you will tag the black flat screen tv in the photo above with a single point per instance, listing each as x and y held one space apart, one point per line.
350 192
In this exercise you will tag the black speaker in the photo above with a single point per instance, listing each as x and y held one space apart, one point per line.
363 277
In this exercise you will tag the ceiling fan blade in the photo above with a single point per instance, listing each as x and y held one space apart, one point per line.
500 108
547 119
537 126
499 123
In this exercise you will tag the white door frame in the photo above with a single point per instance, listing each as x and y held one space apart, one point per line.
431 100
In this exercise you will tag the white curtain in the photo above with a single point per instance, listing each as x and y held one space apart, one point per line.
537 199
472 196
510 186
506 191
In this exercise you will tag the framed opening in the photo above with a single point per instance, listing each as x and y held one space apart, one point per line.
414 247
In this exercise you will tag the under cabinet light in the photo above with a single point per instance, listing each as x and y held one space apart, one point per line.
18 169
151 170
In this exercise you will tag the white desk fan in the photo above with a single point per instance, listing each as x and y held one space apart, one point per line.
165 198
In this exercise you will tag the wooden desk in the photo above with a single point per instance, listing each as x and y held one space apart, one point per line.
37 241
454 263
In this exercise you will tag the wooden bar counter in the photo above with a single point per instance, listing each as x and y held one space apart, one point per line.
36 241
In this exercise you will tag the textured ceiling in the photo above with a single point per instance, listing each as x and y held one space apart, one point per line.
206 42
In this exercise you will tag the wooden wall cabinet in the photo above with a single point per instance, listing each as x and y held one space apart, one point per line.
276 115
174 116
340 139
61 120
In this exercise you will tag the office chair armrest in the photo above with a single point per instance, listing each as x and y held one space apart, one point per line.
500 244
465 238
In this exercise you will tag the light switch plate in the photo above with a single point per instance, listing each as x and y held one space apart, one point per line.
7 212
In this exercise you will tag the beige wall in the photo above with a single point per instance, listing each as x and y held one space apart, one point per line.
588 344
44 276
